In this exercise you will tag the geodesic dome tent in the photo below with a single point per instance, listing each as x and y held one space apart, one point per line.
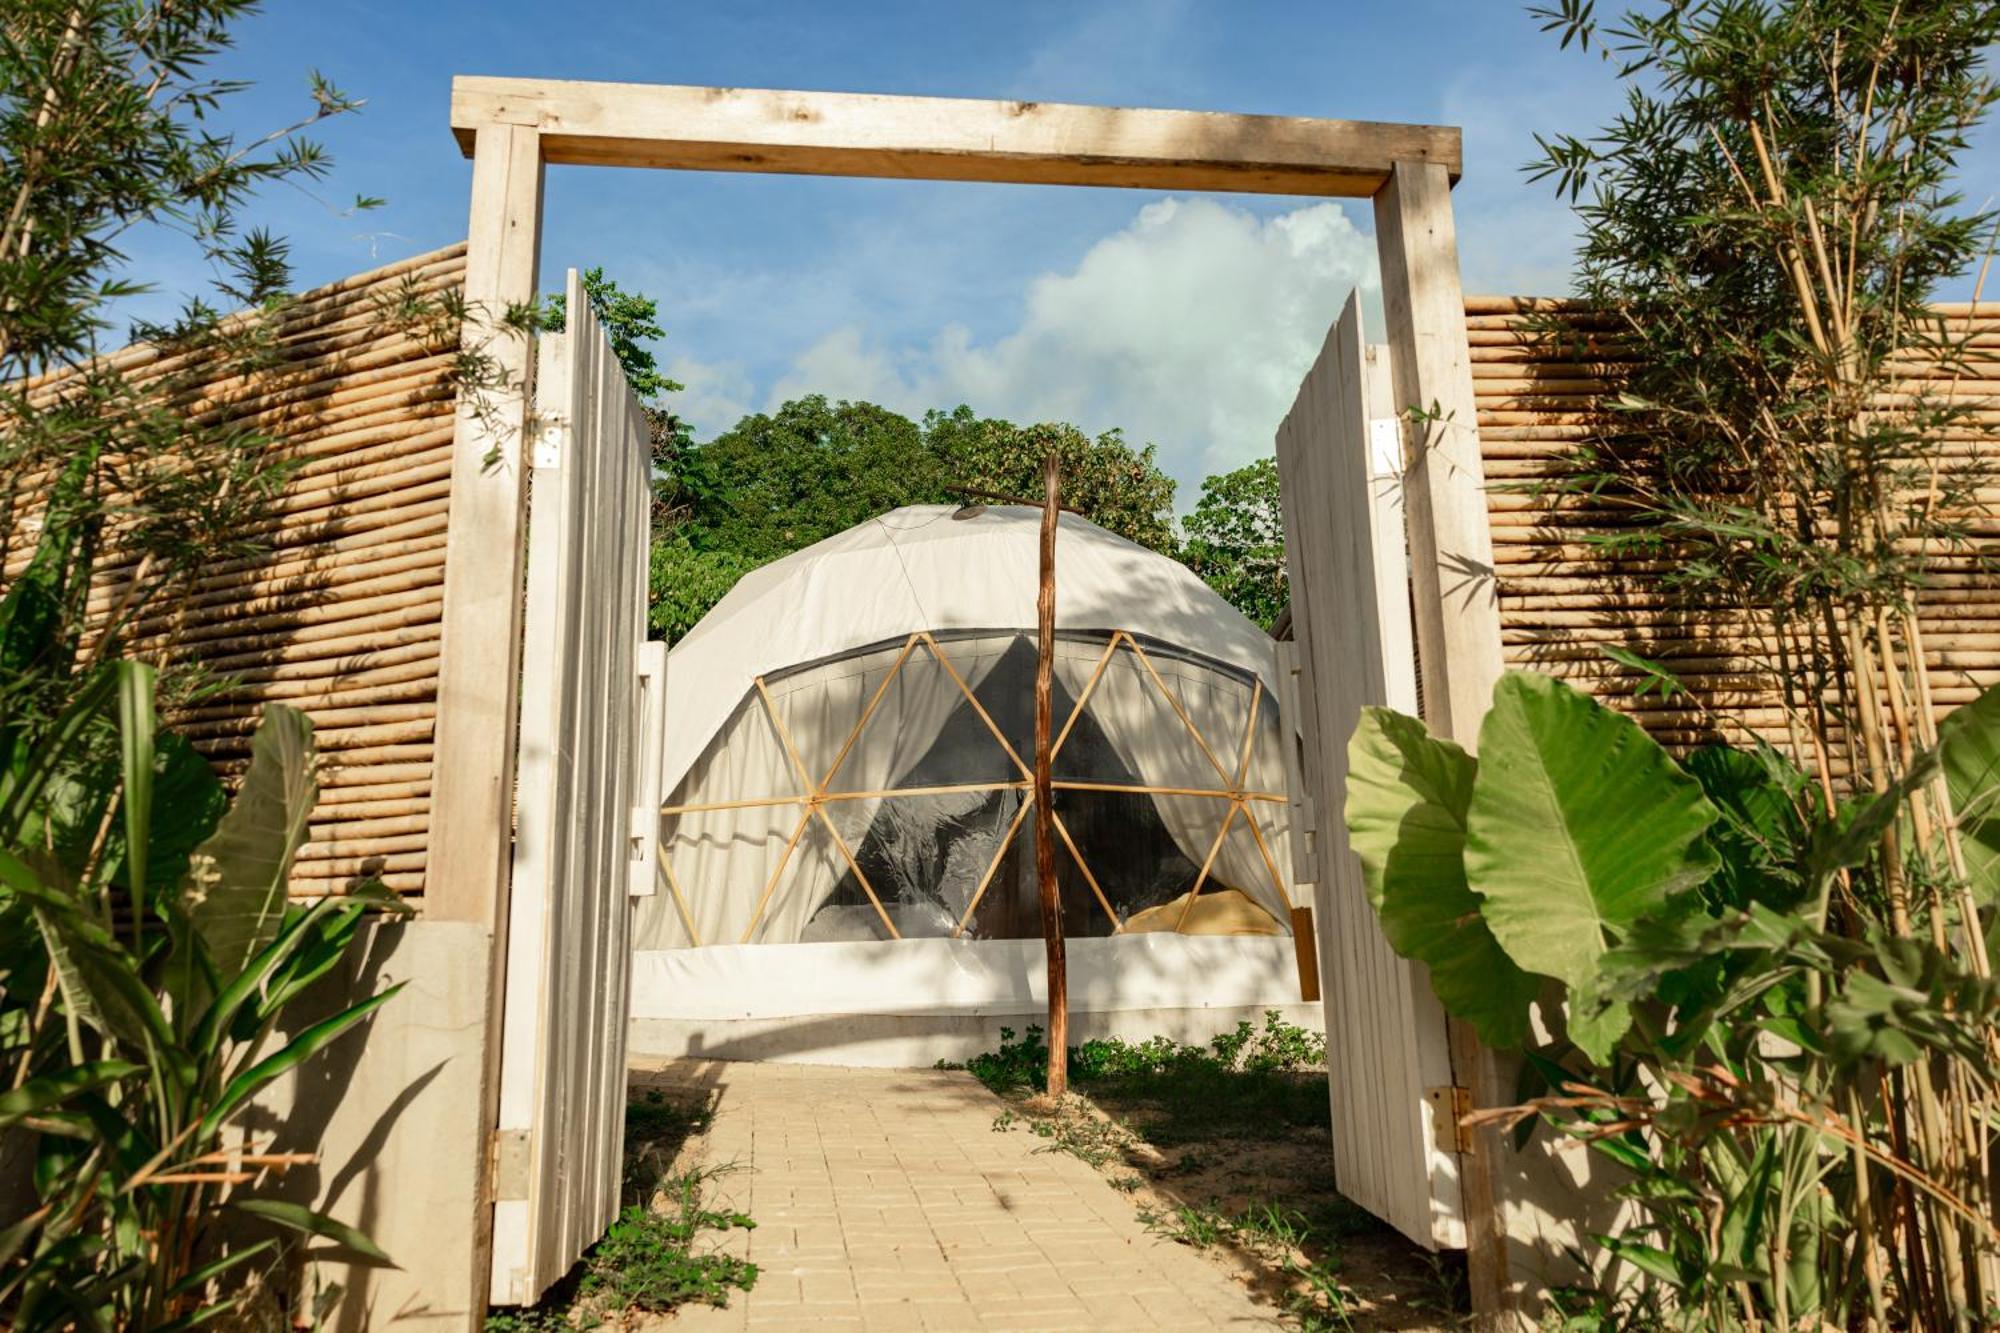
849 754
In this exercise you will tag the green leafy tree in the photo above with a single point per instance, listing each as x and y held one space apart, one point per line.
1780 1000
630 321
1235 539
1114 485
685 583
1723 1047
104 125
776 482
135 1049
148 958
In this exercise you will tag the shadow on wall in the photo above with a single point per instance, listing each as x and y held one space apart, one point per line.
386 1110
920 1041
912 1003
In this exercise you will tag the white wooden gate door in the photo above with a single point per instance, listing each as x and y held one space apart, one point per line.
1389 1066
588 781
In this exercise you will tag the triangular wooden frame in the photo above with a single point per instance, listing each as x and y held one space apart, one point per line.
815 793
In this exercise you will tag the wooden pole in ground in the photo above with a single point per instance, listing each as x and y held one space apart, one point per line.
1457 611
1045 834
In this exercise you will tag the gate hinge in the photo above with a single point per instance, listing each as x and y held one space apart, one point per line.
551 436
1449 1105
1385 447
509 1175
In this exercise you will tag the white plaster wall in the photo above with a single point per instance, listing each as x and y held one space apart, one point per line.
910 1003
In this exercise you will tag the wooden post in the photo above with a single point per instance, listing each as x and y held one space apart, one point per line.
1045 837
472 767
1455 596
480 653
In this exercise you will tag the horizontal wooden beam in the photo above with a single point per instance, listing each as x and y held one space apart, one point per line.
936 138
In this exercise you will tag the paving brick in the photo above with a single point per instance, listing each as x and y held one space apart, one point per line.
886 1202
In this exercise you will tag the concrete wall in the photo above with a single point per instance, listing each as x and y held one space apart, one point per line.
919 1041
394 1112
910 1003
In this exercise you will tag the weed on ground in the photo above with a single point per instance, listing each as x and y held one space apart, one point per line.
1226 1148
666 1248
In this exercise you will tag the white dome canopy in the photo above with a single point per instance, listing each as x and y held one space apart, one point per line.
919 568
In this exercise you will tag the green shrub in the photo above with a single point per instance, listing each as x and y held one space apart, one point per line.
1277 1047
650 1261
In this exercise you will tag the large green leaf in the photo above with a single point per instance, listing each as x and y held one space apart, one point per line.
1579 824
99 982
188 803
236 893
1406 801
1969 745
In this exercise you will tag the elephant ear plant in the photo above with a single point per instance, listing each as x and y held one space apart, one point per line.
1719 1037
148 959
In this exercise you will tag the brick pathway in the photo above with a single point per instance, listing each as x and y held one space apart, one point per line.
885 1199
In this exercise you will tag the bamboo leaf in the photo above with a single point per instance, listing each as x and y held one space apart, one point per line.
202 1275
39 1094
1648 1259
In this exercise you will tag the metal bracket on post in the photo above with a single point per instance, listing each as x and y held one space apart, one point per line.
551 440
1449 1106
644 829
509 1164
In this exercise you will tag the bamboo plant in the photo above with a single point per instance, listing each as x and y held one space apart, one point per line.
1772 954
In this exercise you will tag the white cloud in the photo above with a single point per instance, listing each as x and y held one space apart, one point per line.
714 395
1189 328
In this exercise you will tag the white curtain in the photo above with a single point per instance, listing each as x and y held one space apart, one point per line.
723 860
1150 738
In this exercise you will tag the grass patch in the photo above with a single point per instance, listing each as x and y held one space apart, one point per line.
656 1127
1273 1076
1314 1296
662 1252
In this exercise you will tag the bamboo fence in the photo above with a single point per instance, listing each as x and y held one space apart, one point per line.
1563 600
339 614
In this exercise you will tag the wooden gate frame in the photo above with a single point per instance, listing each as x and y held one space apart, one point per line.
512 128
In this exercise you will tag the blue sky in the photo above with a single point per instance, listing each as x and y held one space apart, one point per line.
1186 320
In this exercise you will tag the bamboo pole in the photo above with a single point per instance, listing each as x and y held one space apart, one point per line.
977 707
834 769
680 899
1179 711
